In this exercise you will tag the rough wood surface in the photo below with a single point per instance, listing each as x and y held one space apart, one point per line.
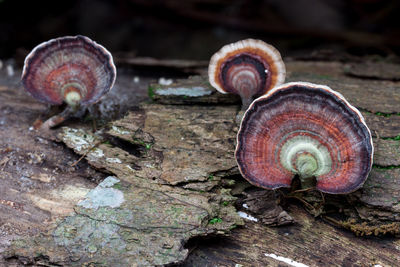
309 241
383 125
139 216
180 148
381 111
366 94
374 70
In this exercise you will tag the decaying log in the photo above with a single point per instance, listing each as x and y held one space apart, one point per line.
171 177
379 196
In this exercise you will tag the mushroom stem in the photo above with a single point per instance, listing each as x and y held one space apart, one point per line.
306 165
246 103
247 98
58 119
73 93
73 98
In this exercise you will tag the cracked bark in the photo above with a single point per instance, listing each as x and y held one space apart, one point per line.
178 150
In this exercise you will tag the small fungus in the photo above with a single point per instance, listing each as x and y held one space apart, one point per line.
248 68
307 130
71 69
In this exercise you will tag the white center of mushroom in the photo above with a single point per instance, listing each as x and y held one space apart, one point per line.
305 156
305 164
73 98
73 93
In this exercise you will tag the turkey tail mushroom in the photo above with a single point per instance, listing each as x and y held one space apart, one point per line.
248 68
71 69
307 130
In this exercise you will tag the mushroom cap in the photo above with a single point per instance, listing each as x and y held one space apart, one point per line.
305 129
246 63
54 68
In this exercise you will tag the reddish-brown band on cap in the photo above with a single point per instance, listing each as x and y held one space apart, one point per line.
256 56
309 110
68 60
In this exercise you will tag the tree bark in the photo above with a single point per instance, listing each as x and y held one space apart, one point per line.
172 180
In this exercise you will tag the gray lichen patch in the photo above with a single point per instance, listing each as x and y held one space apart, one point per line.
109 182
98 241
195 91
103 196
149 228
120 130
78 138
113 160
96 153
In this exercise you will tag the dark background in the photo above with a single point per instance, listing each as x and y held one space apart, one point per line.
195 29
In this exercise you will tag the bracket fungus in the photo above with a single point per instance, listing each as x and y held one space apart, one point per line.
71 69
248 68
307 130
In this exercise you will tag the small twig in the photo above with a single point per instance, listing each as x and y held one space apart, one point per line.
303 190
86 153
57 119
314 210
303 201
333 221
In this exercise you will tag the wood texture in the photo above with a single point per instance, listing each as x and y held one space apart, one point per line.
185 142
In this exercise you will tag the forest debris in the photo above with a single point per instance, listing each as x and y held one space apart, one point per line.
264 204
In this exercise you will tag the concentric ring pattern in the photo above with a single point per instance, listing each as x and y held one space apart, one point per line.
247 68
308 130
56 67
